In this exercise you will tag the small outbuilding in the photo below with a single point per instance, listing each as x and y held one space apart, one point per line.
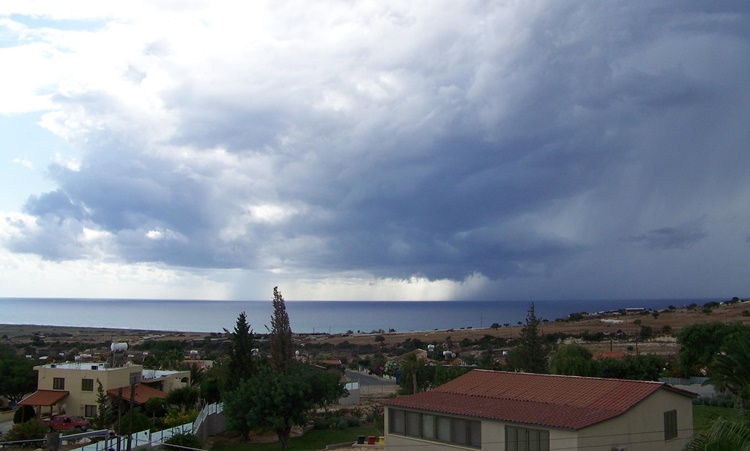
496 410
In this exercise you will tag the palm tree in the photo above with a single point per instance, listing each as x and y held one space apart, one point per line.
724 434
730 370
410 367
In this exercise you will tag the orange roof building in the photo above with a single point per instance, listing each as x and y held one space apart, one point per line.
71 387
507 411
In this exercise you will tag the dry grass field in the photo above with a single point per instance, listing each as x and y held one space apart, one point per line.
610 325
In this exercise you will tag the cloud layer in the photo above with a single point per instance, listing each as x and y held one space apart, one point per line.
547 149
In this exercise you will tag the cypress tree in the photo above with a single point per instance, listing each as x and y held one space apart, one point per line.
241 363
281 334
531 352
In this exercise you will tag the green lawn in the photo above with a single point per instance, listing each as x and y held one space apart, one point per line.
314 440
702 416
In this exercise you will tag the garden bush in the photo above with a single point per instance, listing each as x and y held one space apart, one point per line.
29 430
26 413
186 440
321 423
342 423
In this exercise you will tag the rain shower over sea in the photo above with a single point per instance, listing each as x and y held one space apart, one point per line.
305 316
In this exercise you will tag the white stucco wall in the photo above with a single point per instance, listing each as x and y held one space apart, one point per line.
639 429
642 428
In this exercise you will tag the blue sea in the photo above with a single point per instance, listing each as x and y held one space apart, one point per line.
304 316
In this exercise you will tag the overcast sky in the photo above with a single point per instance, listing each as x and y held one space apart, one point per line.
375 149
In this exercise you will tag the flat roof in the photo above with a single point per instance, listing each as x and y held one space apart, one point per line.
85 366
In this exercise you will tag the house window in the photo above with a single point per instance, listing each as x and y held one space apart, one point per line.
428 427
397 421
89 411
58 383
87 384
444 429
522 439
457 431
670 425
412 424
475 433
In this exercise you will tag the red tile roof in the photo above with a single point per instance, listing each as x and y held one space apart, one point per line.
44 398
142 393
567 402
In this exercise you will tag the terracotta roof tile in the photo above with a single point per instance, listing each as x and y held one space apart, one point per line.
556 401
142 393
44 398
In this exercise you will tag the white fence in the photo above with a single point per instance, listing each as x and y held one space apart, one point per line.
148 438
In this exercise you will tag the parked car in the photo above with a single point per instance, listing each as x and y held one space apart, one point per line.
67 423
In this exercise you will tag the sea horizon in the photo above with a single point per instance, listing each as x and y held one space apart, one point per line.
317 316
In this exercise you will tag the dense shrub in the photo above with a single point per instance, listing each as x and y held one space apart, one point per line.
186 440
321 423
176 418
140 422
24 413
342 423
30 430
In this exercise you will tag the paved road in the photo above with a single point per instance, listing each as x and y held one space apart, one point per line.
366 379
372 385
5 426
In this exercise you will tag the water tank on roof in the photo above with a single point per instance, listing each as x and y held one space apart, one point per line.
118 347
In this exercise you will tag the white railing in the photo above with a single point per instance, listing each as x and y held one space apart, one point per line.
149 438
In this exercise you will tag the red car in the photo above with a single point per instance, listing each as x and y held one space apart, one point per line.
67 423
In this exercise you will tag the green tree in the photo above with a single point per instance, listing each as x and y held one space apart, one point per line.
140 422
730 370
18 376
572 360
197 373
183 398
700 342
211 387
155 408
104 412
240 364
171 359
723 434
644 367
325 386
531 352
281 334
415 376
275 401
445 374
410 366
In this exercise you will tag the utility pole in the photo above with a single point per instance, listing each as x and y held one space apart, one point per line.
133 380
119 416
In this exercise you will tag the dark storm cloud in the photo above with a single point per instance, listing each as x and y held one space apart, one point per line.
679 237
507 142
54 204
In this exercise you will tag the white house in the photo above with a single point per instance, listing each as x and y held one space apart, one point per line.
495 410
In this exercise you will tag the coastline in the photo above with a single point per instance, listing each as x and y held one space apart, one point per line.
671 320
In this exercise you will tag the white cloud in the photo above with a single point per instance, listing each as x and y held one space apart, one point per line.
385 149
